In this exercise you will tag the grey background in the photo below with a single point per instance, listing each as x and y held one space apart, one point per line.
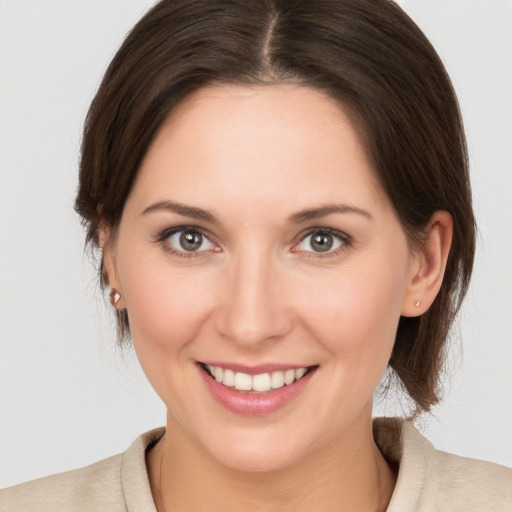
68 397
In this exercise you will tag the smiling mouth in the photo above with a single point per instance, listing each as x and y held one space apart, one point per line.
259 383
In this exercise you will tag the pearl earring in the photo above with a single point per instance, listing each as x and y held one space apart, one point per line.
115 297
417 303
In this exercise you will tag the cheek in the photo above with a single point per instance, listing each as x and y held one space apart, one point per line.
355 312
167 307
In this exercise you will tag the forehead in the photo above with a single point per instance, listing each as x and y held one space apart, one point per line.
262 143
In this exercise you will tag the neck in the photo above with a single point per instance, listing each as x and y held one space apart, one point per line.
350 474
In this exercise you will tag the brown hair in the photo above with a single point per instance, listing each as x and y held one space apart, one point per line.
367 54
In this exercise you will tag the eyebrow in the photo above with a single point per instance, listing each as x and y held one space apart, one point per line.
302 216
323 211
183 209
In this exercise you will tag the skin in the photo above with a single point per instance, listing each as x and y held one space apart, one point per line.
257 292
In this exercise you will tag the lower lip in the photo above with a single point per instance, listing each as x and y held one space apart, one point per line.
254 404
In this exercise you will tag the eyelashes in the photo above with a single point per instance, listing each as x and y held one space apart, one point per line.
195 242
323 242
187 242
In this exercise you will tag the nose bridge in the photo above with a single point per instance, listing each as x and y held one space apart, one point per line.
253 309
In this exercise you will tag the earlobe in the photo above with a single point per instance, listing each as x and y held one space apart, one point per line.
115 297
109 270
430 264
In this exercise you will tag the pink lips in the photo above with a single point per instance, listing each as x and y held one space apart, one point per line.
254 404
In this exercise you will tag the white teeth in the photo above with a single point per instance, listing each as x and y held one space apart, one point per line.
243 381
289 377
277 380
218 373
229 378
300 373
259 383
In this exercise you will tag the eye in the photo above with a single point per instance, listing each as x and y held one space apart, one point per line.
188 240
322 241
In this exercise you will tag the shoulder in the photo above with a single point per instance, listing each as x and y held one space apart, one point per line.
432 480
476 483
117 484
90 488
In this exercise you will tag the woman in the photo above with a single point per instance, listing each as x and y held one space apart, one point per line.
281 197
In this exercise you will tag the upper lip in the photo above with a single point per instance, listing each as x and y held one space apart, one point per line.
257 369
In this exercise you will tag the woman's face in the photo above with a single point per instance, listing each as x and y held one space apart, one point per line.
256 240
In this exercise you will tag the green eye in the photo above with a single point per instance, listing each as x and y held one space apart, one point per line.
321 241
189 240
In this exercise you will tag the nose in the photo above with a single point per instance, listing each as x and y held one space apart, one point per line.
253 309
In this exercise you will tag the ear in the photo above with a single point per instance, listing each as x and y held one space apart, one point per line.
429 264
107 243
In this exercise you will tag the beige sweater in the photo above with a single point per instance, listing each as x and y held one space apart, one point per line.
428 480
